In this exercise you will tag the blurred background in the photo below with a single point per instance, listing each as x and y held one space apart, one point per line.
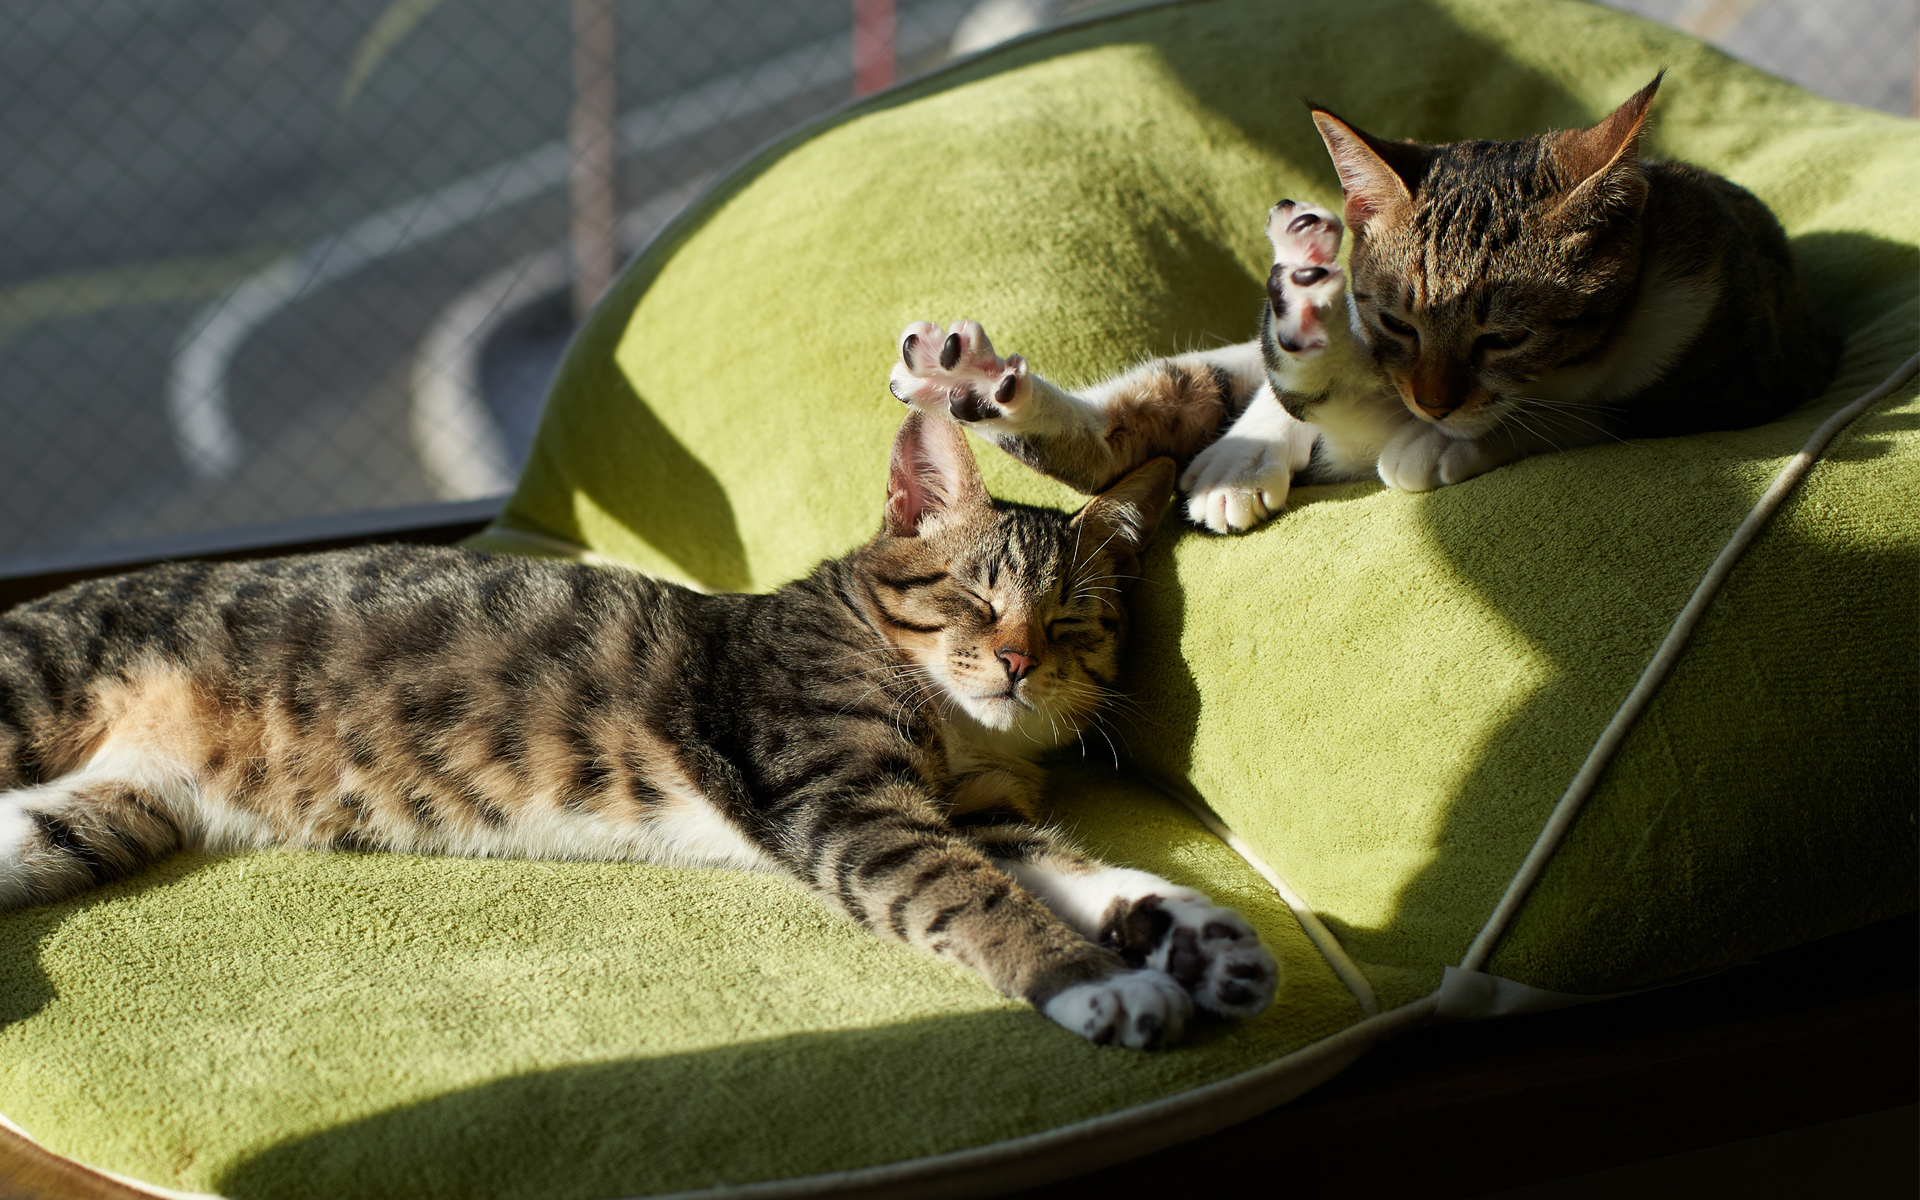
268 260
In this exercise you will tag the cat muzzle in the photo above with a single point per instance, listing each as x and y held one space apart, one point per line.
1017 664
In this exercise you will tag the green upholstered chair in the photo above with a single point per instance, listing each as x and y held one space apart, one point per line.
1356 724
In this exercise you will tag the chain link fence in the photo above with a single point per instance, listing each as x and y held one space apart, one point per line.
272 259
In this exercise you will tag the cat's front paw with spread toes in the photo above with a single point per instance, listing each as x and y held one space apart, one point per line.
1141 1010
956 372
1305 282
1210 951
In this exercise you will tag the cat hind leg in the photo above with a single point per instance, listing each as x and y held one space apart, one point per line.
83 830
957 373
1306 281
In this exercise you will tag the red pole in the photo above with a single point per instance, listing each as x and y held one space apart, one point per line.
872 45
590 140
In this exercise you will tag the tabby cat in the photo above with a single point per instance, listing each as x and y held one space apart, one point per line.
1507 298
870 730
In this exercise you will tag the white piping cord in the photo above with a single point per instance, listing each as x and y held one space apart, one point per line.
1657 670
1343 967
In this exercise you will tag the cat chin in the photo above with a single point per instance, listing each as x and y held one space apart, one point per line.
1001 714
1002 718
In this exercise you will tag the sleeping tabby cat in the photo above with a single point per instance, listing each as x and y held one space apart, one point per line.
1508 298
869 730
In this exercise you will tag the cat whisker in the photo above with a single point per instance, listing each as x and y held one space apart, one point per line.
1565 412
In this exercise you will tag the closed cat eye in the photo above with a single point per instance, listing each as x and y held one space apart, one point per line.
1064 625
1394 324
1498 341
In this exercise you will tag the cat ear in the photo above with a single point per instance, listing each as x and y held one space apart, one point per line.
1378 177
1122 519
1602 163
932 472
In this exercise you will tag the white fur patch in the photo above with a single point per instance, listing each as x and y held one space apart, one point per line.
16 831
1243 479
685 831
1424 457
1082 898
1140 1010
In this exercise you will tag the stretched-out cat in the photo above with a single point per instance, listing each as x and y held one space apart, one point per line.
1507 298
870 730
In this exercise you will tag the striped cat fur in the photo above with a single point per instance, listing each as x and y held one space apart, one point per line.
1507 299
870 730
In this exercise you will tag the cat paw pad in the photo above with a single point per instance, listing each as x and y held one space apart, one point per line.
1141 1010
957 372
1305 281
1210 951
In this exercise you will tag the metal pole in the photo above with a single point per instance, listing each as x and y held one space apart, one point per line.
590 141
872 45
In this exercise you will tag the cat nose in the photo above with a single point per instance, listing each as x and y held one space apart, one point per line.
1017 664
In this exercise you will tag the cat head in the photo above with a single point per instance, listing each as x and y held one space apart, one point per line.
1011 614
1479 269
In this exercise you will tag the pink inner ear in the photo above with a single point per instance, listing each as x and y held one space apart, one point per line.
903 515
1359 209
930 469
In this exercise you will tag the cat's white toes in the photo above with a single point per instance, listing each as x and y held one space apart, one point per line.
956 371
1141 1010
1226 510
968 350
1421 458
1237 483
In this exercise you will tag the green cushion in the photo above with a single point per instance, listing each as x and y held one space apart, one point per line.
1382 694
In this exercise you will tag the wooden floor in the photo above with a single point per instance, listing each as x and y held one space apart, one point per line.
1801 1038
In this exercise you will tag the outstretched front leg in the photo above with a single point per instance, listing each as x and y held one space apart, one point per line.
1166 406
1212 952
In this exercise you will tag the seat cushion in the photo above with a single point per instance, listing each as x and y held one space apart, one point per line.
1384 694
1379 697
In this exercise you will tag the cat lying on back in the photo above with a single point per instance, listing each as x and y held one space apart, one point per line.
869 730
1507 298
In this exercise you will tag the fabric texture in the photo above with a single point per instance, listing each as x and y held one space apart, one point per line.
1382 694
327 1025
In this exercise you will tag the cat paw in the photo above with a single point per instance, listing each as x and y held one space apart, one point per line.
1210 951
1141 1010
957 373
1236 483
1305 282
1421 458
